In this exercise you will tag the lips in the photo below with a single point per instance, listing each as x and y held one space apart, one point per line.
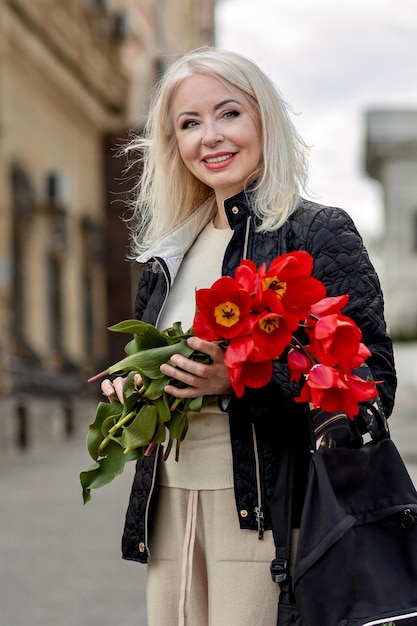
218 161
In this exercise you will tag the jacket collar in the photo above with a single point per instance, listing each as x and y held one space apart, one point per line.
238 207
173 246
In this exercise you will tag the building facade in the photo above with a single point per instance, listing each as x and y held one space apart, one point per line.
391 158
74 77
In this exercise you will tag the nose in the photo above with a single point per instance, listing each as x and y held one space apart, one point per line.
211 135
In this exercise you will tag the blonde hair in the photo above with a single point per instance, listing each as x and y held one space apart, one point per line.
167 193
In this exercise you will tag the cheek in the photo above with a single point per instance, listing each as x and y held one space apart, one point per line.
256 152
258 149
186 148
253 140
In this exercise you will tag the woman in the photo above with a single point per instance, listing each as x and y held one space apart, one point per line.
223 169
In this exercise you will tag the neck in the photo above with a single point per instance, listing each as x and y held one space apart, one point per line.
220 219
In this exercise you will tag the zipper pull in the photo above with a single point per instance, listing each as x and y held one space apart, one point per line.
407 520
260 522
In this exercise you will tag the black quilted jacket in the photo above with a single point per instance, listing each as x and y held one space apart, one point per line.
263 420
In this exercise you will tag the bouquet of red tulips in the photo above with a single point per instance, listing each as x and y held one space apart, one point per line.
254 316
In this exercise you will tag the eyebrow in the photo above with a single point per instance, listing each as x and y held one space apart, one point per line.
216 107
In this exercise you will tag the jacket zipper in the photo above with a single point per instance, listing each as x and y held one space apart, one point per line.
258 509
246 241
259 515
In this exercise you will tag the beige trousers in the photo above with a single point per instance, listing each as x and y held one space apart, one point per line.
203 570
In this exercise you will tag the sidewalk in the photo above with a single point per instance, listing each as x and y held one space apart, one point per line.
60 561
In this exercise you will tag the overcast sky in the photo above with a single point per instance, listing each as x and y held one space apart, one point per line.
332 60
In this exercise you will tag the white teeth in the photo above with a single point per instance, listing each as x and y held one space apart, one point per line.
218 159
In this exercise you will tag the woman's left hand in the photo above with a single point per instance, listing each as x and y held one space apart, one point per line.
200 379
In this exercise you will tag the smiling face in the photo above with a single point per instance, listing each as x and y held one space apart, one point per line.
218 138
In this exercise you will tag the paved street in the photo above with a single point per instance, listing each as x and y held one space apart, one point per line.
60 561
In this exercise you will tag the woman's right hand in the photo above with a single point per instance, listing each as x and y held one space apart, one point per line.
113 389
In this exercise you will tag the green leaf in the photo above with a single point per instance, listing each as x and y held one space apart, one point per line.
108 423
196 404
141 431
135 327
162 406
131 397
155 388
105 411
145 336
178 425
148 362
176 332
132 346
151 338
105 469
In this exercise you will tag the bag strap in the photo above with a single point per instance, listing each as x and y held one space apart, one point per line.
371 419
335 430
281 520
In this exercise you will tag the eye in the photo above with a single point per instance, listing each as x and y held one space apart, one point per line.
188 124
232 113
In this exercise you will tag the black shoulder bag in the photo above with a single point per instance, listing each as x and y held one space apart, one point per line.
356 558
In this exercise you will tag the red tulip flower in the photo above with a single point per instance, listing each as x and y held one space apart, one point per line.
329 305
331 390
222 310
289 278
249 374
335 338
299 364
243 370
271 334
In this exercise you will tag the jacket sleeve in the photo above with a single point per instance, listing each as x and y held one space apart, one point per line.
342 263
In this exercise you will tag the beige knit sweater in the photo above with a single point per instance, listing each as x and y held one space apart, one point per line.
205 460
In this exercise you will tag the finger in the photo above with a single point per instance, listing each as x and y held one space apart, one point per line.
180 373
212 380
118 387
107 388
138 382
208 347
181 367
183 392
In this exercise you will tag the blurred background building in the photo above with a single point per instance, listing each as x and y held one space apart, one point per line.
391 158
75 77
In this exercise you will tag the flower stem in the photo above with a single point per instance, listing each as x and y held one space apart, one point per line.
151 447
97 377
175 404
113 430
167 451
296 345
